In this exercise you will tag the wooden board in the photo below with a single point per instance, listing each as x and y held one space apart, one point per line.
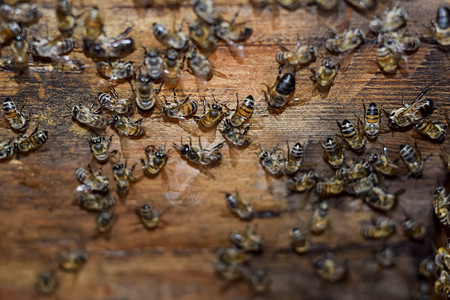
38 219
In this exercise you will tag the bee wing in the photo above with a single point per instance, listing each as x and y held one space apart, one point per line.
345 59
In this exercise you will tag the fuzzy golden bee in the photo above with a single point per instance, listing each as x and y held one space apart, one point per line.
20 13
115 70
385 257
94 182
281 92
240 208
382 200
382 164
205 11
442 27
199 64
414 230
123 177
105 221
198 155
6 150
324 77
381 229
148 216
100 147
301 56
73 261
182 110
237 136
392 20
112 102
26 143
302 181
294 159
386 60
52 49
354 137
176 40
431 130
89 117
413 159
146 93
273 161
299 241
9 31
441 204
172 66
203 36
106 47
348 41
16 119
211 116
19 48
330 186
372 120
319 219
66 19
233 33
399 41
93 24
127 127
333 153
249 241
362 185
354 170
92 201
153 64
243 111
156 159
329 269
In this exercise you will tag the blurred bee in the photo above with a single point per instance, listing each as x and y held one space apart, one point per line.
362 5
442 284
428 268
52 49
172 66
302 181
240 208
198 155
325 76
95 202
94 182
73 261
230 272
441 204
199 64
26 143
66 20
442 257
331 186
382 164
414 230
290 4
233 33
126 127
386 60
301 56
154 64
235 135
233 255
355 170
259 281
372 120
382 228
115 70
203 36
148 216
382 200
93 25
249 241
9 31
16 119
442 27
20 13
146 93
391 21
421 290
299 241
211 117
412 158
279 94
319 219
327 4
112 102
123 177
174 39
89 117
19 48
355 138
243 111
349 40
47 282
109 47
156 159
105 220
333 153
273 162
100 148
294 159
181 110
385 257
329 269
205 11
6 150
362 185
434 131
399 41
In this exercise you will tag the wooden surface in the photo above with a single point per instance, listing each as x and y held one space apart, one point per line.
38 219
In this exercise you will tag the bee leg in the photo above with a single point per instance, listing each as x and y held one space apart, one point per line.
175 96
143 162
159 88
217 147
199 143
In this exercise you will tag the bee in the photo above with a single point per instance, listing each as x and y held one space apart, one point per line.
16 119
52 49
240 208
100 148
362 5
327 4
66 20
172 66
442 284
205 11
324 78
109 47
385 257
355 138
181 110
392 20
331 186
199 64
386 60
146 94
211 117
319 219
156 159
442 27
290 4
20 13
302 181
94 182
273 162
154 64
243 111
434 131
427 268
301 56
362 185
175 40
399 41
354 171
349 40
236 135
329 269
279 94
382 164
333 153
6 150
115 70
230 272
73 261
382 200
112 102
148 216
198 155
126 127
421 290
26 143
442 257
9 31
412 158
382 228
372 120
93 25
123 177
89 117
47 282
203 36
294 159
414 230
95 201
105 220
232 33
19 48
249 241
299 241
441 202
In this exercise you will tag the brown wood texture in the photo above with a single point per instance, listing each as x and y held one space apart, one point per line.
38 219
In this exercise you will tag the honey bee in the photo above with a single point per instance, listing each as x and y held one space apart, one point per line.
355 170
427 268
6 150
440 205
414 229
299 241
386 60
382 164
66 20
434 131
240 208
176 40
19 48
362 5
198 155
243 111
279 94
385 257
382 200
105 220
412 158
52 49
331 186
391 21
442 284
154 64
349 40
94 182
319 219
9 31
233 255
89 117
327 4
230 272
372 120
100 148
181 110
249 241
301 56
329 269
95 201
156 159
199 64
235 135
355 138
115 70
273 162
205 11
290 4
399 41
35 140
73 261
442 27
172 66
232 33
259 281
362 185
109 47
382 228
146 93
203 36
112 102
442 257
324 78
421 290
302 181
20 13
294 159
126 127
148 216
211 117
123 177
333 153
16 119
47 282
93 25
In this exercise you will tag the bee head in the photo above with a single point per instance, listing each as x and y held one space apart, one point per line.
145 207
159 31
114 119
185 149
373 157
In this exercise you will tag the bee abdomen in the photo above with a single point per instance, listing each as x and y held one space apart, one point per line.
286 85
408 153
